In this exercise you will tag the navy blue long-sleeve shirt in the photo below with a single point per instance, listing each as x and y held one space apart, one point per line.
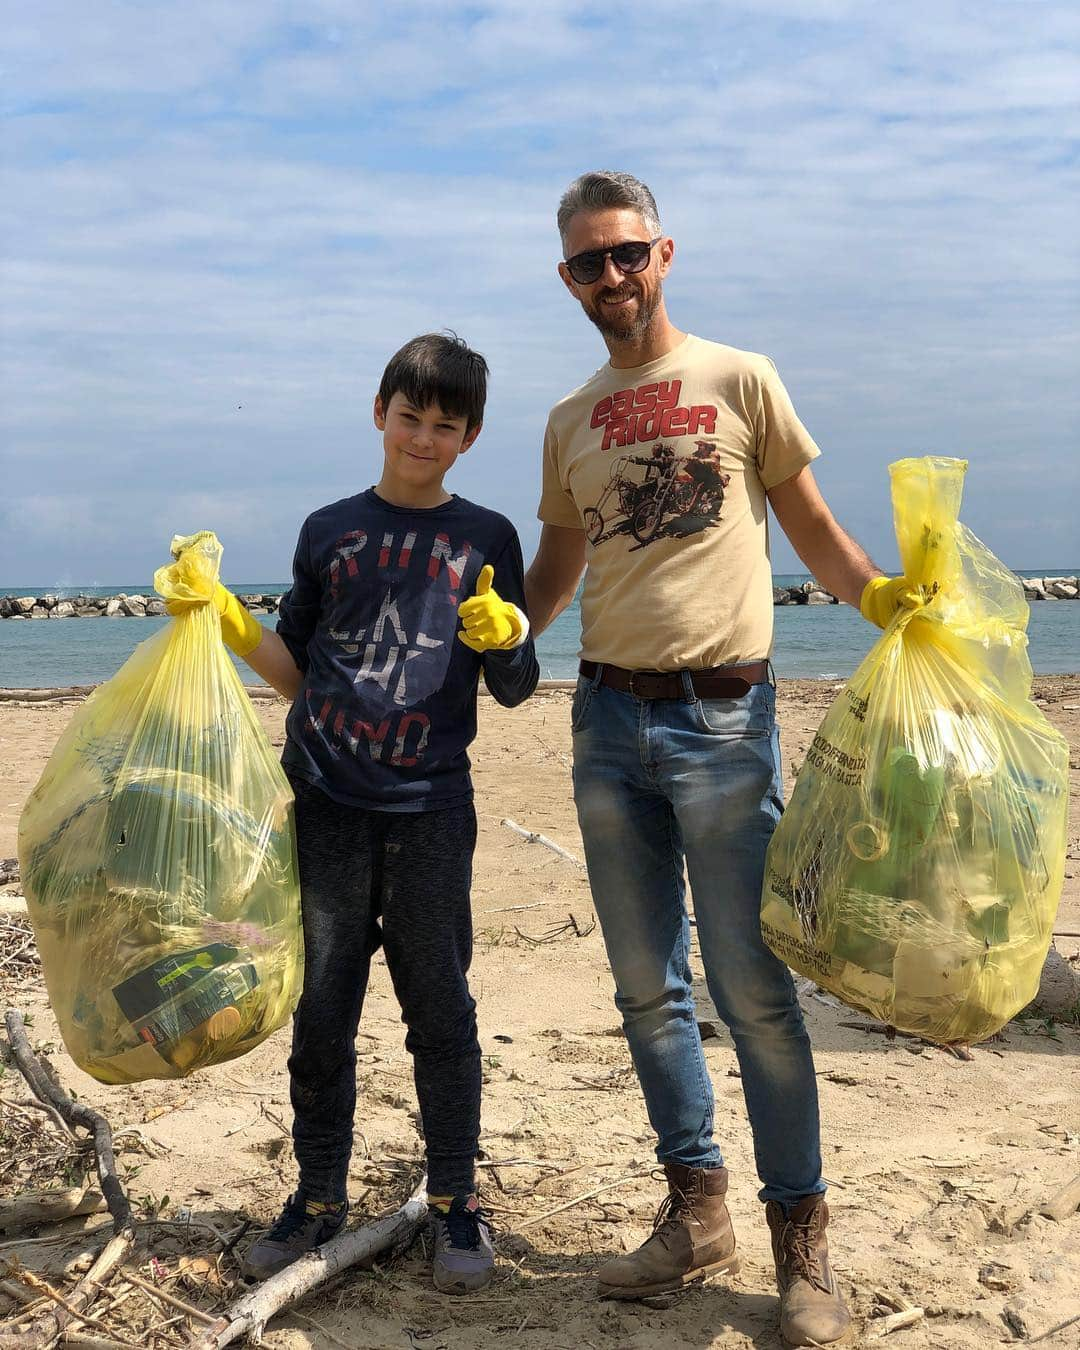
387 708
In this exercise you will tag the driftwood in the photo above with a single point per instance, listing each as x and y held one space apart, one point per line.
249 1315
534 838
45 1328
49 1207
51 1323
1064 1203
896 1321
77 1116
45 695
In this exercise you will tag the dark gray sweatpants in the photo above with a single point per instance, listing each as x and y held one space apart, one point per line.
400 880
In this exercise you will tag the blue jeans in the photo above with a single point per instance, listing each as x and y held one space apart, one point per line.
660 781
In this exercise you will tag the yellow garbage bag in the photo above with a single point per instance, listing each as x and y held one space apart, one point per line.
158 857
917 871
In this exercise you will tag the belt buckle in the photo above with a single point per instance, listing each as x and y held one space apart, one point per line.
630 687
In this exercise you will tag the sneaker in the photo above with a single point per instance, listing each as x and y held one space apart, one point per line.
464 1257
301 1226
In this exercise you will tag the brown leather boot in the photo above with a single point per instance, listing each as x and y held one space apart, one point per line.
691 1238
812 1311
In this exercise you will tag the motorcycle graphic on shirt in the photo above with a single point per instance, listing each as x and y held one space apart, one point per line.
660 495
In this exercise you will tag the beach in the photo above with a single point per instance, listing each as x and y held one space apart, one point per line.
937 1164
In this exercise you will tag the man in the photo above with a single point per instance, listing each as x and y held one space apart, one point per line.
676 753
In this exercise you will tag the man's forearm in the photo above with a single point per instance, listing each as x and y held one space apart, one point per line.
544 602
274 662
828 551
837 561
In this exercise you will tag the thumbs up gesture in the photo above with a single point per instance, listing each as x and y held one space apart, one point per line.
489 623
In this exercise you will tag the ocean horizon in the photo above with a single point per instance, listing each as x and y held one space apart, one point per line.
810 641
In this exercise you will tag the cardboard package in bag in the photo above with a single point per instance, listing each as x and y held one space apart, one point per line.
917 870
158 857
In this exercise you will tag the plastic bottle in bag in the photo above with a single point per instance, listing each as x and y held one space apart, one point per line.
158 857
917 871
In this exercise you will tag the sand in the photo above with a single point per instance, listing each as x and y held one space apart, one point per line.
936 1165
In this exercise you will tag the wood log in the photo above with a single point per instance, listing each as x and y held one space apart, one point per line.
1064 1203
45 695
49 1207
248 1315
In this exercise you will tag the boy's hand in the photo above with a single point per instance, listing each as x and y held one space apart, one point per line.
239 630
490 623
883 596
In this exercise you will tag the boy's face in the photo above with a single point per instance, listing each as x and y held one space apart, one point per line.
420 444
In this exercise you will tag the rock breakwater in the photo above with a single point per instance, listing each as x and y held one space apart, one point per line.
123 606
120 606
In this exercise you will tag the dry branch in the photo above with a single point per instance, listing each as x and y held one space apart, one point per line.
13 1290
51 1111
170 1299
45 1329
580 1199
895 1322
1053 1331
49 1324
1064 1203
250 1314
77 1342
75 1114
73 1312
533 837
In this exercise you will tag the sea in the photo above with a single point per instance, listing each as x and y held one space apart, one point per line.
811 641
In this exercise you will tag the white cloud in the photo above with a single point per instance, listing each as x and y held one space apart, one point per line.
220 220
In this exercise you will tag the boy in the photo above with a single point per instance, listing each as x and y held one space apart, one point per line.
384 684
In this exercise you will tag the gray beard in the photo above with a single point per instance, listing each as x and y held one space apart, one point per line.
622 330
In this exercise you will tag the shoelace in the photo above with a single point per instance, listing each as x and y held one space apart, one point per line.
674 1208
292 1219
463 1226
797 1242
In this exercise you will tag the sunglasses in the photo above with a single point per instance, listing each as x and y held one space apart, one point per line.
588 267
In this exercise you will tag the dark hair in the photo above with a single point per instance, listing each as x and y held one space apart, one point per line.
438 368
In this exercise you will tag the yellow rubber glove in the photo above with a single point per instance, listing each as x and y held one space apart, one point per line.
239 630
883 596
490 623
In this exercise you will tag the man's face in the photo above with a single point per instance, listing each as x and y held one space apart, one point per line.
622 305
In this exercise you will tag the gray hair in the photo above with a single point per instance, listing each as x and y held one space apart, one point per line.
607 190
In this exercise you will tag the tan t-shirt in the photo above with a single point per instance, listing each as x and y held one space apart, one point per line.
666 467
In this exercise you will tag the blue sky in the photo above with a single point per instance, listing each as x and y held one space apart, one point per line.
219 220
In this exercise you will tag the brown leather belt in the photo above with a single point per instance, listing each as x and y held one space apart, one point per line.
719 682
